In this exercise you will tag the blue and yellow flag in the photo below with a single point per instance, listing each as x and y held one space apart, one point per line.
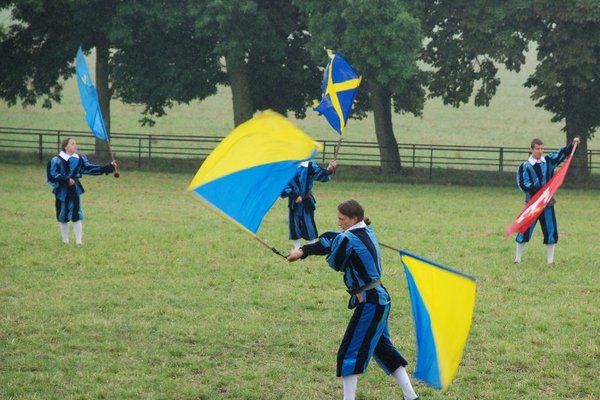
89 98
244 175
340 83
443 301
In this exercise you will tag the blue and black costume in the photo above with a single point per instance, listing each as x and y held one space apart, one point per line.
59 170
356 253
302 215
531 177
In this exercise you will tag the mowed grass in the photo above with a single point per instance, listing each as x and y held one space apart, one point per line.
511 119
166 300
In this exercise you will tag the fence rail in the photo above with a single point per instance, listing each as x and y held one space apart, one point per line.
145 147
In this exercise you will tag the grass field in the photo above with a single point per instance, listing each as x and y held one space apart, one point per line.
165 300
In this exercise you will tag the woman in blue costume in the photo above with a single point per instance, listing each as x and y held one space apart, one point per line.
356 253
63 173
302 203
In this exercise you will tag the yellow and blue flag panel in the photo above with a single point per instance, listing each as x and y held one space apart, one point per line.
443 300
244 175
89 98
340 83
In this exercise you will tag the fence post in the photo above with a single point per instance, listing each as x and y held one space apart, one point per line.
324 150
40 151
430 164
140 152
149 146
414 155
501 161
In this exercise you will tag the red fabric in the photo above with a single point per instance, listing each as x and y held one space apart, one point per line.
537 203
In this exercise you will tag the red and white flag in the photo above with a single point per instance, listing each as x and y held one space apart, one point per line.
537 203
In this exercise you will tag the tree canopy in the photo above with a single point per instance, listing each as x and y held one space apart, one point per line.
468 39
382 40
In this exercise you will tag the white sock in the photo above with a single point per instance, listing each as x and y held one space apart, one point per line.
78 228
350 382
64 231
550 253
401 377
520 250
296 244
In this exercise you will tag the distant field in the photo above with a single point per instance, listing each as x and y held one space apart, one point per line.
166 300
511 120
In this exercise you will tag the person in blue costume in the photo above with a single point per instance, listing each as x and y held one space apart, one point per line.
356 253
63 173
532 175
302 203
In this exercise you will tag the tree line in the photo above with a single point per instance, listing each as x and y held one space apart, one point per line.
270 54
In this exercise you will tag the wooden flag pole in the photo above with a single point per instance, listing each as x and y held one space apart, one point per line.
389 247
116 173
273 249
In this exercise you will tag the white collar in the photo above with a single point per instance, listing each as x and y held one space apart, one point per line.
66 156
304 164
358 225
533 161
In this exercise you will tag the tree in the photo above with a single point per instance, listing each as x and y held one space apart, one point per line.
258 48
157 53
262 44
467 39
37 52
382 40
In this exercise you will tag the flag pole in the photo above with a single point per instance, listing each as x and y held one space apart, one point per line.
116 173
273 249
337 148
389 247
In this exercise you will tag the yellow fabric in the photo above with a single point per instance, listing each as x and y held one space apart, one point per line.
450 299
267 138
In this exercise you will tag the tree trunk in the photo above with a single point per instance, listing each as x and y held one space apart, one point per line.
104 94
575 126
243 107
381 102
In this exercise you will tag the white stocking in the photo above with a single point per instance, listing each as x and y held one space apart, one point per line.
64 231
350 382
520 250
401 377
78 228
550 253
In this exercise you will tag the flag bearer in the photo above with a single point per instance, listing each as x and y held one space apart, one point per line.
532 175
302 203
63 172
356 253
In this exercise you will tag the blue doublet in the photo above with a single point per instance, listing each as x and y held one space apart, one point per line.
59 170
531 177
301 216
356 254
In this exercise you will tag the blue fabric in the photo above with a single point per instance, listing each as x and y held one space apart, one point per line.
427 368
58 173
301 216
89 98
254 191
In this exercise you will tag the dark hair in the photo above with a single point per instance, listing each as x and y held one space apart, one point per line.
351 208
536 141
64 143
